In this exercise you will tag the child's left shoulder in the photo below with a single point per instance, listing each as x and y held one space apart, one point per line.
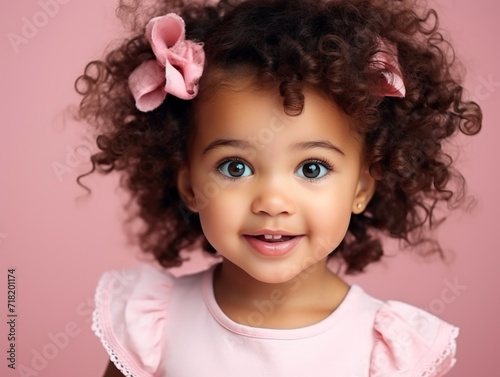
409 341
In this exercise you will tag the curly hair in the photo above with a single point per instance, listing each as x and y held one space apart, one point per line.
290 44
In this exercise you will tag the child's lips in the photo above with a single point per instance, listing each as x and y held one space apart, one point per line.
281 239
273 247
278 232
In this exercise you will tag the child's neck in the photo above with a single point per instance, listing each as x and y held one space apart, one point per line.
307 299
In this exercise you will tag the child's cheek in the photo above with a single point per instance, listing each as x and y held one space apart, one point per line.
330 217
223 214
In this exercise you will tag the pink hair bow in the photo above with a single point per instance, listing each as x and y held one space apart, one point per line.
386 61
176 70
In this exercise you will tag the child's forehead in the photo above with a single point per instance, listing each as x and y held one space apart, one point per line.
218 84
244 99
232 90
247 112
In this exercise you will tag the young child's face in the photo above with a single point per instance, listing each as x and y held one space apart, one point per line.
254 169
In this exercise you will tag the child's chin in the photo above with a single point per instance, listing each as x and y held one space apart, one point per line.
273 275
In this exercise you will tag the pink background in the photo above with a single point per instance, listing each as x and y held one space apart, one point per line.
60 246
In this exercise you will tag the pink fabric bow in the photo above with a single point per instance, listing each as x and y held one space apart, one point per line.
177 69
386 61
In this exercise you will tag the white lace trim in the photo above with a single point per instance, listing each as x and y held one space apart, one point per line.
436 363
96 327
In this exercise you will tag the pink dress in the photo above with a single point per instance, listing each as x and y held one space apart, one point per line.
154 324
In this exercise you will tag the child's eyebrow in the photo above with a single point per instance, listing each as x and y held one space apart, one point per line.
242 144
318 144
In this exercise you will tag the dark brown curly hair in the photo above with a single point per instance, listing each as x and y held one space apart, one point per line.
290 44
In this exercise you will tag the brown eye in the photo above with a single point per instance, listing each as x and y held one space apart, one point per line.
313 170
234 169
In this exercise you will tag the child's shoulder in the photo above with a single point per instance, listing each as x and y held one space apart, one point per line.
141 287
408 340
132 306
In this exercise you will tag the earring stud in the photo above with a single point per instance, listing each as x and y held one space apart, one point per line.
359 205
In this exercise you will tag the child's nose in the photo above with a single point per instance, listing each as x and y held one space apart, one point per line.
273 200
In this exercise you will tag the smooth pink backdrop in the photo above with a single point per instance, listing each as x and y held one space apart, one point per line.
60 246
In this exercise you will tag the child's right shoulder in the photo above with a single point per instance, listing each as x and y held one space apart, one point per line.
121 283
130 315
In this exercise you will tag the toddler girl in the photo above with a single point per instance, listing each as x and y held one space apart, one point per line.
275 135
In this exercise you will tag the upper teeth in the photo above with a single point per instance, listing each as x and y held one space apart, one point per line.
270 236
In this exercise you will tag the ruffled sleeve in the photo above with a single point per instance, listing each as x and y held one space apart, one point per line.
129 318
411 342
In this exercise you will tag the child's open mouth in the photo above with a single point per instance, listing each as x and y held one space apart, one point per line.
272 245
270 238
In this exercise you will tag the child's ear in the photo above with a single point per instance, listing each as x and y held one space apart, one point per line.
185 189
364 191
